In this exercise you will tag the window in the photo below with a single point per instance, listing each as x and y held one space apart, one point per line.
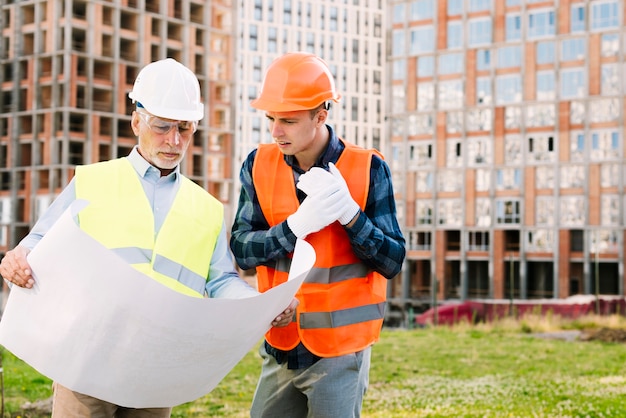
455 35
399 15
454 154
478 5
508 179
513 27
483 180
483 59
507 211
398 101
479 119
425 96
609 175
544 177
572 211
509 56
508 89
479 31
545 208
425 66
546 89
609 208
541 23
424 182
425 211
422 9
512 150
399 69
422 40
572 176
483 211
449 180
483 90
577 146
478 240
397 46
540 115
573 83
450 94
540 240
455 7
545 52
577 18
604 145
604 110
421 154
449 212
454 122
610 44
451 63
573 49
479 151
604 15
541 148
610 80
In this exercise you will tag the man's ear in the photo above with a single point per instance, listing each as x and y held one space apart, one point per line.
134 123
322 115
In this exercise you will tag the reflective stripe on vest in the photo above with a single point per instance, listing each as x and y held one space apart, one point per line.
120 217
342 301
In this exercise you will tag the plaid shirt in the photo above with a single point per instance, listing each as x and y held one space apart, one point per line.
376 238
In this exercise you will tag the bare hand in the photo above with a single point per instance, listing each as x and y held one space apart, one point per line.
15 269
286 316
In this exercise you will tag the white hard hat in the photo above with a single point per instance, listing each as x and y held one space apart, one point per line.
168 89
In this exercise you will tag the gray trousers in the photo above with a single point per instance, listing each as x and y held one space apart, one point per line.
69 404
331 388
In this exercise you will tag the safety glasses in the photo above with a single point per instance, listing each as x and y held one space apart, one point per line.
162 127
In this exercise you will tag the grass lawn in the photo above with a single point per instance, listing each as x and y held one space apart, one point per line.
497 370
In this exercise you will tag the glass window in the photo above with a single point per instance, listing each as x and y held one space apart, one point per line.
577 17
424 182
450 94
479 119
483 215
541 23
513 27
540 240
513 2
455 35
478 5
398 103
508 211
455 7
425 66
512 150
454 155
479 151
424 212
512 117
399 15
573 49
573 83
545 52
449 212
425 96
454 122
422 39
483 90
479 31
609 210
546 85
604 15
541 148
421 154
483 59
572 210
604 110
451 63
509 56
610 80
399 69
604 145
572 176
540 115
508 89
544 177
609 175
508 179
577 146
545 210
397 46
422 9
483 180
610 44
449 180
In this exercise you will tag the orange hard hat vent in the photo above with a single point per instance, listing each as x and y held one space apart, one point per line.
296 81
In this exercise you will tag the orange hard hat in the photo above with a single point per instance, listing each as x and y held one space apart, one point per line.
296 81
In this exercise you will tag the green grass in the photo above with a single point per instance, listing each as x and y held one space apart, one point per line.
465 371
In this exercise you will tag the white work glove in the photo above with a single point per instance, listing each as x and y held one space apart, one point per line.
317 179
317 211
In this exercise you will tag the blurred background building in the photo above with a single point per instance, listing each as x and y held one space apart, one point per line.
502 120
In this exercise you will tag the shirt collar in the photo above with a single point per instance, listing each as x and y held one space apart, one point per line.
144 168
330 154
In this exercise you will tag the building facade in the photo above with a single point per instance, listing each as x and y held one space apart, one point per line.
507 128
65 70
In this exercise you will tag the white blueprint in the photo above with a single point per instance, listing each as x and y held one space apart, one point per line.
99 327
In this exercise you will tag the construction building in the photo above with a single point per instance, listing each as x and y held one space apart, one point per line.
65 70
507 126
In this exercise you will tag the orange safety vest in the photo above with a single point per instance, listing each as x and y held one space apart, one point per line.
342 301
